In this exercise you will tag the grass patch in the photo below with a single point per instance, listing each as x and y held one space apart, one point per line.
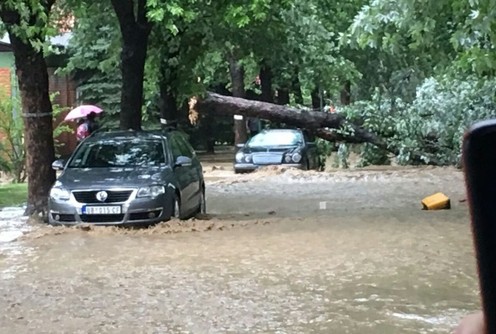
13 194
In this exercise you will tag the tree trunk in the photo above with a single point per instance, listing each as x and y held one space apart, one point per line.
283 96
167 105
316 99
318 122
168 97
298 95
32 76
209 133
135 30
346 93
266 83
238 90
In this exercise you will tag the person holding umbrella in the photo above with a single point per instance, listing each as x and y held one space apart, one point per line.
85 115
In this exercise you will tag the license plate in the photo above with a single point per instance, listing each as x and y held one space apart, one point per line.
101 210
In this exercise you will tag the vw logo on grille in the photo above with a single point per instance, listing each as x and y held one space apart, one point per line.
101 196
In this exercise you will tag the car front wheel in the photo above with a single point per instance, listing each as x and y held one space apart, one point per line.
176 211
203 203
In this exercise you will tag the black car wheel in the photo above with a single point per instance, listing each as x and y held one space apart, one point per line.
202 208
176 213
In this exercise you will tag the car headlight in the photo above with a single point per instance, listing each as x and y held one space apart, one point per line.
60 194
296 157
287 158
248 158
152 191
239 156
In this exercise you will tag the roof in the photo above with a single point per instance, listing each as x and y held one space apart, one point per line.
281 130
129 134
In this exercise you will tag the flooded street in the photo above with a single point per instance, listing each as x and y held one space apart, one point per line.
280 252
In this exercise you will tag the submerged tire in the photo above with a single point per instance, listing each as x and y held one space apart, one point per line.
176 209
202 209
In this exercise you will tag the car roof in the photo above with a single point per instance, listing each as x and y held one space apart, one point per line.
131 134
281 130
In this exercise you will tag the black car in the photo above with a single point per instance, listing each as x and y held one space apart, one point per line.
128 178
288 147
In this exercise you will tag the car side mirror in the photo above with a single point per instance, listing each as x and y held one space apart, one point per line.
58 164
183 161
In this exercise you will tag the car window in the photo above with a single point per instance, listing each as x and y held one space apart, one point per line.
180 146
276 138
112 153
187 149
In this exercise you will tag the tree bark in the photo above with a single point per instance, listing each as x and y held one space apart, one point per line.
208 121
167 104
32 76
298 95
283 96
319 123
168 95
316 99
346 93
266 82
135 30
238 90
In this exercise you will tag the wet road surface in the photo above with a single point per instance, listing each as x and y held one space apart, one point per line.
271 258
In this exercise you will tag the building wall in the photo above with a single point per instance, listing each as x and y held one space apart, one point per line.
6 72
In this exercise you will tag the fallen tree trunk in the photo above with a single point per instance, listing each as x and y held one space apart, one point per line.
320 123
311 120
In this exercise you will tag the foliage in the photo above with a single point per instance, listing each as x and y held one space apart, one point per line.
29 21
12 150
12 153
434 123
94 60
403 57
61 127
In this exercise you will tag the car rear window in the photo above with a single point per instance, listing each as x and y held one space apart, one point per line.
113 153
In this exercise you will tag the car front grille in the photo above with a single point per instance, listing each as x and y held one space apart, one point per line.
102 218
267 159
114 196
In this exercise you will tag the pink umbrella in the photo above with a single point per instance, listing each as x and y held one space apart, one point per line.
82 111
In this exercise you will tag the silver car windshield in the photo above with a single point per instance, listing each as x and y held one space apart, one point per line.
276 138
111 153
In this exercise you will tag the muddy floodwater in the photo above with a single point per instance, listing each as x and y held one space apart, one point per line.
279 252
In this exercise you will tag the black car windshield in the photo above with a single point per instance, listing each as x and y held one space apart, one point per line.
276 138
122 153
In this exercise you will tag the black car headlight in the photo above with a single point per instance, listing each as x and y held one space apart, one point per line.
151 191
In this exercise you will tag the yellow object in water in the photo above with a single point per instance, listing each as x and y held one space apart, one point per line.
438 201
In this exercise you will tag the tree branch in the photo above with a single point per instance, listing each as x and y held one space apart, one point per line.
319 123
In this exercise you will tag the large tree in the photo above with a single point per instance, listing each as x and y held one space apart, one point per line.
135 29
27 23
